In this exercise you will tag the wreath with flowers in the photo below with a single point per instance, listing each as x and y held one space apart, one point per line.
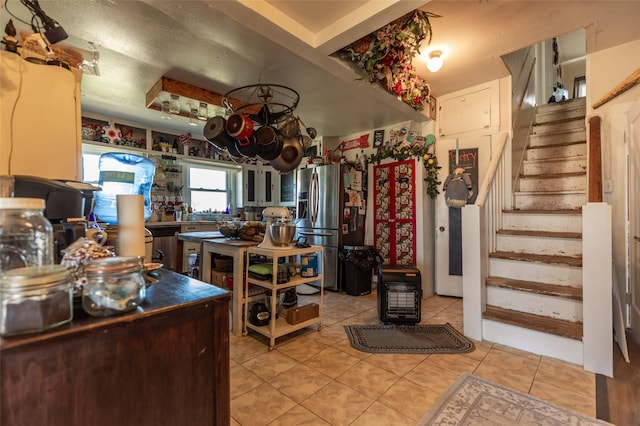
386 57
423 153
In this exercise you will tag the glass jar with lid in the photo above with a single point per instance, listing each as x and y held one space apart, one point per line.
26 236
113 285
35 298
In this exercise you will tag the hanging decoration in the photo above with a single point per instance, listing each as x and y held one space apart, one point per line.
422 153
386 57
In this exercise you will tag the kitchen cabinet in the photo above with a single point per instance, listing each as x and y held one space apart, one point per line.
166 363
279 326
258 185
394 220
190 248
286 189
40 106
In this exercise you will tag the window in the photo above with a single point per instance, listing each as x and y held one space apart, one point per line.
208 189
90 172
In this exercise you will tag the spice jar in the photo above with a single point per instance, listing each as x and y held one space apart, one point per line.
113 285
26 236
35 298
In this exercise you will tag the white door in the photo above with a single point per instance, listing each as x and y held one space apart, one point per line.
634 220
447 283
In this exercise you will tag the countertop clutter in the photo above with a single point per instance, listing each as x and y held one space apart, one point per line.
90 356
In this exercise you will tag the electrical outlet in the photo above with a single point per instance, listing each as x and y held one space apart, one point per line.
607 185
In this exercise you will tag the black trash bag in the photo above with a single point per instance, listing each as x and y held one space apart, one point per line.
363 259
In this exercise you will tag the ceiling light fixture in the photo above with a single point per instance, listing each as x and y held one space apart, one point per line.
434 62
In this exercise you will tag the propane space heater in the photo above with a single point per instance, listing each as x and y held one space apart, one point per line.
399 294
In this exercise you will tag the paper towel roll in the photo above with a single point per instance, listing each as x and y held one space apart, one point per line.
131 235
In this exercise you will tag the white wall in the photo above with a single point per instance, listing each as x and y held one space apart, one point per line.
605 70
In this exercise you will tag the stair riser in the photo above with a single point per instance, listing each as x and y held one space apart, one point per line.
533 341
543 153
542 222
540 129
539 245
549 201
562 106
579 135
539 272
570 183
548 117
537 304
568 165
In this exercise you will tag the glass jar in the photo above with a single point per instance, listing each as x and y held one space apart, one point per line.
113 285
26 236
35 298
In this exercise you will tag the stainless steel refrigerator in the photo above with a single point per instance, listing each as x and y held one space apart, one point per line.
330 213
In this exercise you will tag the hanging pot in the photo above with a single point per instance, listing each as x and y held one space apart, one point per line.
291 127
290 157
239 126
268 143
215 132
246 146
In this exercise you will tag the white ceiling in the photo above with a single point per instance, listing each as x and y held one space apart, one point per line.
221 45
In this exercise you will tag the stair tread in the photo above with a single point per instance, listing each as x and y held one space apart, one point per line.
550 234
539 258
549 192
569 292
571 330
542 211
552 175
556 159
556 144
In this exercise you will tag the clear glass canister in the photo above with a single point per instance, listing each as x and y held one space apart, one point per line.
26 236
35 298
113 285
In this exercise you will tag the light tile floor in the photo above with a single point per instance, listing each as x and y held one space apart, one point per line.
314 377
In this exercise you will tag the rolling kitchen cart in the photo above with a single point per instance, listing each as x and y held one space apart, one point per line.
278 327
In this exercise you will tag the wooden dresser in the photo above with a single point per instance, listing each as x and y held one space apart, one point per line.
165 364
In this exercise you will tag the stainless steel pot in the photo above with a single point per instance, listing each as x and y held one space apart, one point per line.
290 157
215 132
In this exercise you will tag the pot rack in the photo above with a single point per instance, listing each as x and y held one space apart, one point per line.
274 102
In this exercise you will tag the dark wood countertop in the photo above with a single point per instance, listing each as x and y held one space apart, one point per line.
172 290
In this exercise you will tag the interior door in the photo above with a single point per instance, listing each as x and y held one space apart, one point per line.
634 220
448 280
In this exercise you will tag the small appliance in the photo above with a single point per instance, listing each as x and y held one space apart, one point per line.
399 294
273 214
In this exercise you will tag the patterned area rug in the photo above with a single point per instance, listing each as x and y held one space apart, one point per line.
478 402
408 339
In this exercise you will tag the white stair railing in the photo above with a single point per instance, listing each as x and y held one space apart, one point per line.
480 221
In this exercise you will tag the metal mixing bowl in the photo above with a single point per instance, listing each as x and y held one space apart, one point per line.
282 233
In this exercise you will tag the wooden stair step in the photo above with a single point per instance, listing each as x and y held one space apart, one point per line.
552 175
571 330
557 144
539 211
568 292
549 234
539 258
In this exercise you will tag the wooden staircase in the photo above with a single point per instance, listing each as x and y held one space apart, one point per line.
535 275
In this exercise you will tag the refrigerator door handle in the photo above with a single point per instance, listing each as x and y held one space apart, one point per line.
314 195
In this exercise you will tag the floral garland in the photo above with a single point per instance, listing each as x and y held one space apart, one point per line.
429 160
386 57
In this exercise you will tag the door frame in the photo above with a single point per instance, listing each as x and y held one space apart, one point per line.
633 217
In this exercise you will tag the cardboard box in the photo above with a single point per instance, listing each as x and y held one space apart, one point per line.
219 278
298 314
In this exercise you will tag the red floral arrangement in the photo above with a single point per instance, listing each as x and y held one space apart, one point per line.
386 57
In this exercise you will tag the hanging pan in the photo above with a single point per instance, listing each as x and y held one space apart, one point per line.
290 157
215 132
268 143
